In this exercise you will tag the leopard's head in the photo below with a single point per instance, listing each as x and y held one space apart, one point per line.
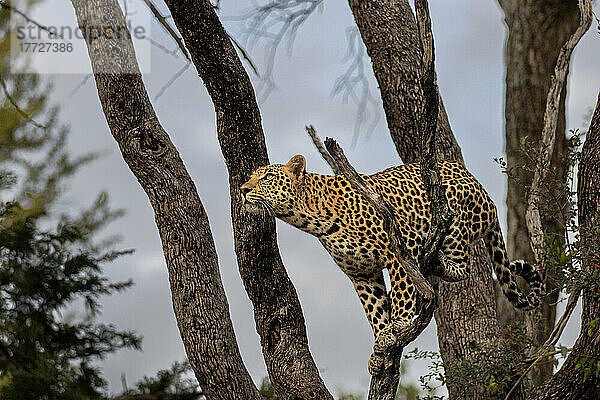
275 189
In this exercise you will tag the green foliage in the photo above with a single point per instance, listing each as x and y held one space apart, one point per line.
566 251
43 272
50 261
431 381
168 384
498 363
266 389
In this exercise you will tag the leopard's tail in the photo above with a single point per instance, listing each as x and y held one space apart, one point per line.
506 270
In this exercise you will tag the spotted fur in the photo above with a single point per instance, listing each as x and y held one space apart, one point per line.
351 231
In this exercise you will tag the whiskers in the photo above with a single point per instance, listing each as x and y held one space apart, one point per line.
266 208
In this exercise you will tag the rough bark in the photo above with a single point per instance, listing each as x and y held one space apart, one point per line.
537 29
199 300
570 382
466 310
389 31
277 312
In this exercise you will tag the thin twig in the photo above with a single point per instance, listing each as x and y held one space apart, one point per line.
310 130
10 8
180 44
354 83
516 384
164 48
81 84
172 80
12 101
163 21
244 54
274 21
562 322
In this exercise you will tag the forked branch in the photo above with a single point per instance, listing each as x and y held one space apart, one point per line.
532 215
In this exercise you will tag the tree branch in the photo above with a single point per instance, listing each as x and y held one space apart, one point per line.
277 311
441 214
199 300
466 310
532 215
384 385
12 101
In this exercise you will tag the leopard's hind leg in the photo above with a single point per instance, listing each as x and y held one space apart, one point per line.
455 263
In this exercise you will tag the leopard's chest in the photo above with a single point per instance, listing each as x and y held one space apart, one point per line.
355 252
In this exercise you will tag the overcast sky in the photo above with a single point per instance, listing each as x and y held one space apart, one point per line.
469 38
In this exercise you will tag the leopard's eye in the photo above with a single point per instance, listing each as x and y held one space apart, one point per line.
268 176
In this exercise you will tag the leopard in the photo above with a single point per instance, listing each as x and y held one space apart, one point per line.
352 232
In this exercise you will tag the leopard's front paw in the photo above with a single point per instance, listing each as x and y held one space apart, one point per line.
384 341
375 364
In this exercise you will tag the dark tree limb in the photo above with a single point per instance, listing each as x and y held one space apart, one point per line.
277 312
199 300
441 214
384 385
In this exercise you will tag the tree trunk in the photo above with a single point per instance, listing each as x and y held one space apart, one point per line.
537 29
571 381
277 311
466 311
199 300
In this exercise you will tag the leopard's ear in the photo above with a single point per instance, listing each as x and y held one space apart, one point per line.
296 166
